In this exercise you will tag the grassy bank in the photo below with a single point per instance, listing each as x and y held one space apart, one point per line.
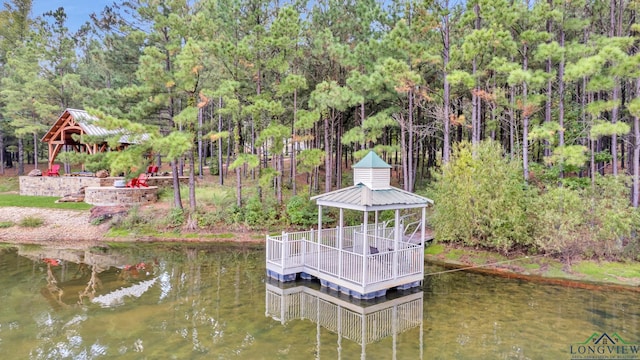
46 202
536 266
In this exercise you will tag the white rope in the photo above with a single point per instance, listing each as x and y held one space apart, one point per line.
479 266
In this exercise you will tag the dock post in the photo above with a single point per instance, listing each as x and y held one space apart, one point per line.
283 251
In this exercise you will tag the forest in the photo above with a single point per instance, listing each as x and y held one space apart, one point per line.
521 119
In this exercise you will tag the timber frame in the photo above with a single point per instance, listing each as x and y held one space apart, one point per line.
74 122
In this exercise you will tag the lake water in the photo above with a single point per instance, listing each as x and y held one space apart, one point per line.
214 302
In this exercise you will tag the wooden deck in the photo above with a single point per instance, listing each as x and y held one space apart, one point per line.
360 263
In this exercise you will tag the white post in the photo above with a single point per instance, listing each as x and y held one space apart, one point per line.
423 232
340 242
396 243
283 251
364 249
319 236
268 248
375 229
340 228
423 235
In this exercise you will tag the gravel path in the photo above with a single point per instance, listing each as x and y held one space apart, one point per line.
61 226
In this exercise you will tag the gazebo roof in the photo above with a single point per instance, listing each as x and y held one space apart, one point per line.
372 160
360 197
371 190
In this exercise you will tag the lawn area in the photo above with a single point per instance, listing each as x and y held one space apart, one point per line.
48 202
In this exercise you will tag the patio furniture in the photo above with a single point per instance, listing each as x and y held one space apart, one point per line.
142 180
139 181
54 171
152 170
132 183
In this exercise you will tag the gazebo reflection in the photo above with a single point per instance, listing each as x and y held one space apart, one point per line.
363 323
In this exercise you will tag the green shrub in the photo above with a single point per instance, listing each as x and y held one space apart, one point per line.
260 213
95 162
31 222
301 212
481 199
133 220
234 214
175 218
6 224
213 166
558 215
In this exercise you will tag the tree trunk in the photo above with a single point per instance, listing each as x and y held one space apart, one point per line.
328 151
20 157
2 152
475 100
636 154
35 150
192 181
220 162
561 93
340 131
410 155
549 99
512 122
200 149
294 145
239 168
446 150
525 121
404 154
177 199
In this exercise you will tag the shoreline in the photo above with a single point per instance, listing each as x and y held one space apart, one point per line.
589 284
71 229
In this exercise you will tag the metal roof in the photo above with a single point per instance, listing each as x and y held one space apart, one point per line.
360 197
86 122
372 160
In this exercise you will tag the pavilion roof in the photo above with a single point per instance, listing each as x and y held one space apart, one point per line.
86 122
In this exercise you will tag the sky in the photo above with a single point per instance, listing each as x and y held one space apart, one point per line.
77 10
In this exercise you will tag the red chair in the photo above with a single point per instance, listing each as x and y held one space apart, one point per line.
132 183
54 171
142 180
152 170
139 181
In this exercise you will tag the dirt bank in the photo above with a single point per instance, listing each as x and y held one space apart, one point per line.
73 228
60 226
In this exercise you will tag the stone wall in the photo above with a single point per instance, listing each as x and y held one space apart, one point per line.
166 181
109 195
67 185
55 185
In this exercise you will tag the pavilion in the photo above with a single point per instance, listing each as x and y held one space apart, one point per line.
366 260
69 131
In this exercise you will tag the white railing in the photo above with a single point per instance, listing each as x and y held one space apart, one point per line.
382 259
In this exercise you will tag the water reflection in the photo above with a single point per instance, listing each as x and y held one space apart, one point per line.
68 270
187 302
360 322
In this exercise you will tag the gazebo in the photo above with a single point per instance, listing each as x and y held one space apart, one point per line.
79 123
366 260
